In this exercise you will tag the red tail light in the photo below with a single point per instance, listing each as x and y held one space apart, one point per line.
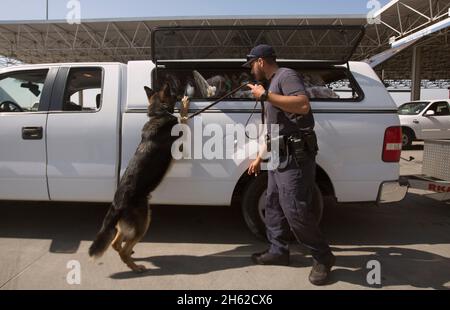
392 145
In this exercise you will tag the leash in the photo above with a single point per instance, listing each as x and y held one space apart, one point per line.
253 112
229 94
219 100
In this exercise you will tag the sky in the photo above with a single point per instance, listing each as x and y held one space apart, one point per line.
28 10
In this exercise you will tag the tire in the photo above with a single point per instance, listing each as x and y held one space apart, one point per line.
253 205
407 138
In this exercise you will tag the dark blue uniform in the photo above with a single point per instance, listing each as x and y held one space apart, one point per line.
290 189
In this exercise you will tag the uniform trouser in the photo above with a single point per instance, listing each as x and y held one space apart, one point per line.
289 207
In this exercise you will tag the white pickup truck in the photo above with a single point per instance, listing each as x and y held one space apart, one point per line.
68 130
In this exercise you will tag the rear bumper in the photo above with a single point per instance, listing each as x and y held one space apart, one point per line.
437 189
392 191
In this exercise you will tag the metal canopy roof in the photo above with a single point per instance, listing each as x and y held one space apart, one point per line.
112 40
120 40
402 18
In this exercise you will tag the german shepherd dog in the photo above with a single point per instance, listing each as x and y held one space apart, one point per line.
128 218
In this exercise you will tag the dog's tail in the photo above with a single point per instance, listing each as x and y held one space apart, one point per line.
106 234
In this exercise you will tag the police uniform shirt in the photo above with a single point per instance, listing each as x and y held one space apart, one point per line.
287 82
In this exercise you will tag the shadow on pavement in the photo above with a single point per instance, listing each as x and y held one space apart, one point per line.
414 147
193 265
399 266
415 220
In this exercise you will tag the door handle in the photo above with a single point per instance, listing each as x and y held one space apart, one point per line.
32 133
415 121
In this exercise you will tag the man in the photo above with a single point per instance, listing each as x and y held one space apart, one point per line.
289 190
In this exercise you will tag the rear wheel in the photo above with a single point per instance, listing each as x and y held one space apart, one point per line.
407 138
254 205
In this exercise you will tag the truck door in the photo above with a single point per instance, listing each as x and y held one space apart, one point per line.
83 134
24 100
436 126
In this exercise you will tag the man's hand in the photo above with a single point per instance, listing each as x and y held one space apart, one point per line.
255 167
257 90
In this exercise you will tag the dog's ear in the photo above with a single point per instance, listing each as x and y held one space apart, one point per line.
150 92
165 93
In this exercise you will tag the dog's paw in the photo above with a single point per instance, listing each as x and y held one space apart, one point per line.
185 102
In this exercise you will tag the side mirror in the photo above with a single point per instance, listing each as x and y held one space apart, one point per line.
429 113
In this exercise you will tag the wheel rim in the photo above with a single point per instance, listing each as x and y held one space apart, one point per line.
405 139
262 206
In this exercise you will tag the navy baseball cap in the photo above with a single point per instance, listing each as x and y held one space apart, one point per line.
260 51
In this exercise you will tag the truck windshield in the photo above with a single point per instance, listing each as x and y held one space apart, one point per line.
412 108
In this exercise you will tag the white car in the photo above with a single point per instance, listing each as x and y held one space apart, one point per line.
425 119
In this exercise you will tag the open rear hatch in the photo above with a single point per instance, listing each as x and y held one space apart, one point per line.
310 43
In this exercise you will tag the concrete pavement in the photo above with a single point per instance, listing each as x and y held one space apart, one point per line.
209 248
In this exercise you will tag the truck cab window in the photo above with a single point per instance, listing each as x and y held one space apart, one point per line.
440 108
21 91
83 90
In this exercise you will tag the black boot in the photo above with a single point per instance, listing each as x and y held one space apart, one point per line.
320 271
267 258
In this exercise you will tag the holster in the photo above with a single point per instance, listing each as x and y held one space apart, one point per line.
311 142
303 146
281 141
